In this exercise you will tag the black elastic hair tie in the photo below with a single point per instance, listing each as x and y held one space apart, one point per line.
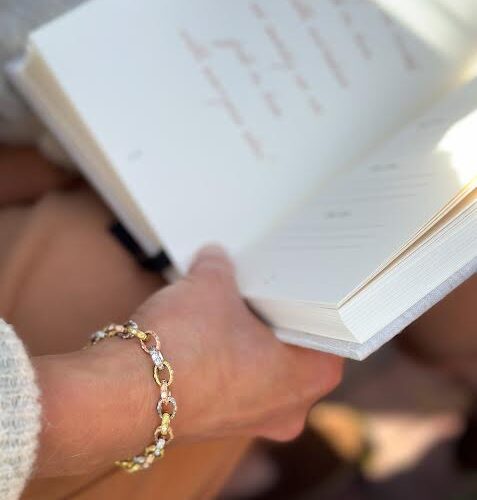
157 263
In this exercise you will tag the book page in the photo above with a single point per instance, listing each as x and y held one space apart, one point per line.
219 117
354 226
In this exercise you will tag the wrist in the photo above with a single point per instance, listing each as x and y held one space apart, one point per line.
89 398
195 387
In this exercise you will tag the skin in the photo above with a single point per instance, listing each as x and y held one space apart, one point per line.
25 175
232 377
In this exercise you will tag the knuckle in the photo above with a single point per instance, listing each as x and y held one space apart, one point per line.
325 376
291 430
335 374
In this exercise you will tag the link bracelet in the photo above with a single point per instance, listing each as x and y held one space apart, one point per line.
166 406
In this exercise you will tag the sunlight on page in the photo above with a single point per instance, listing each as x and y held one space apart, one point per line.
429 20
459 143
470 71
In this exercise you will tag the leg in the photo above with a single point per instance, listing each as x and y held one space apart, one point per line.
62 275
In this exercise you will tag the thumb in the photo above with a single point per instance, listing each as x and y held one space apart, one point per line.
212 263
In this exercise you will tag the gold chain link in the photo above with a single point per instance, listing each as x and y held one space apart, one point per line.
166 406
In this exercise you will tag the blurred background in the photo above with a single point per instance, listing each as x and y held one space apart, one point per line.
396 429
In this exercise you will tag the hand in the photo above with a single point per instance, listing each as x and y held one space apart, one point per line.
232 377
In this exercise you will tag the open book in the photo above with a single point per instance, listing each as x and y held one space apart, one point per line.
329 145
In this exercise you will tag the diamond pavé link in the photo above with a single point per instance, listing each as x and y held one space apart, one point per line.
157 358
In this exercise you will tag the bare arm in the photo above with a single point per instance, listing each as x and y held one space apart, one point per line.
232 377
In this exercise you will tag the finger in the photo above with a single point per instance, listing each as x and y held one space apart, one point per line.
212 263
285 428
314 373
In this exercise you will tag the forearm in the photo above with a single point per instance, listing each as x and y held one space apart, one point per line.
98 406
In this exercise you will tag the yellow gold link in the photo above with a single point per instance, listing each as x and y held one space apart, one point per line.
157 433
142 335
157 373
163 434
167 437
166 421
170 436
150 449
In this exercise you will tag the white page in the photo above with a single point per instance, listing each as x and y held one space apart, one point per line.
360 219
218 116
